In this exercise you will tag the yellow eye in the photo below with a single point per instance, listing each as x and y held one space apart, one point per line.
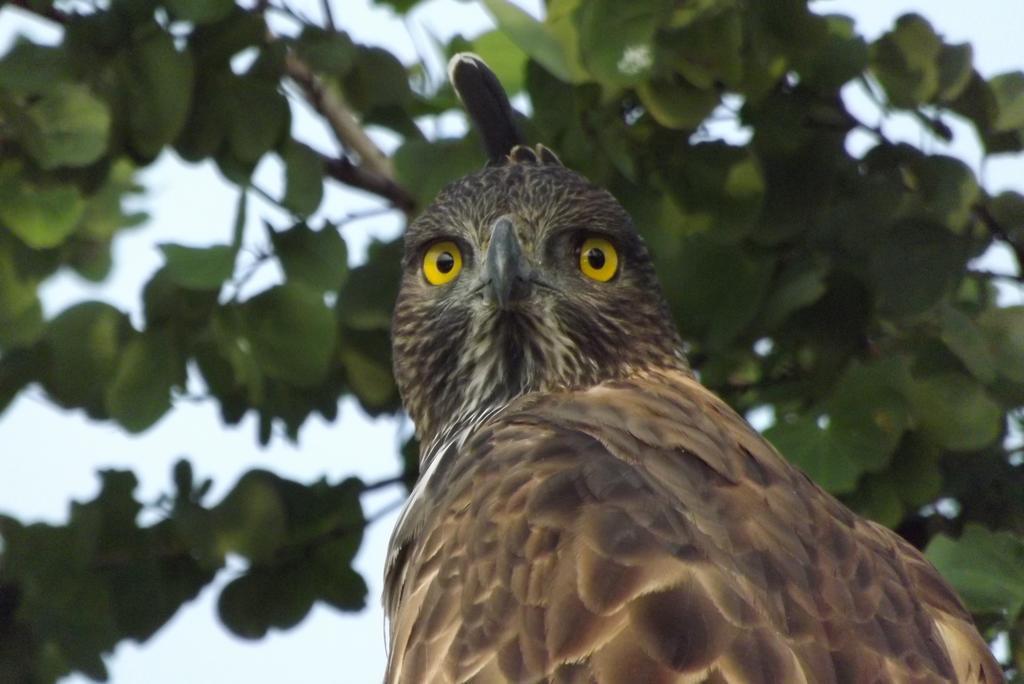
598 259
442 262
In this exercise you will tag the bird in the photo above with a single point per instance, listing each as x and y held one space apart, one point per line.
587 510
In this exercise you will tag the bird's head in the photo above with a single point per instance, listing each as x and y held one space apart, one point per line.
523 277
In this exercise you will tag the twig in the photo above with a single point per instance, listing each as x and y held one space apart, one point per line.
347 172
381 484
287 11
328 15
989 275
874 95
241 281
936 126
194 398
270 199
997 231
360 215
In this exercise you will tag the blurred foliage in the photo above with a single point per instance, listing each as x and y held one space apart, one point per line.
835 292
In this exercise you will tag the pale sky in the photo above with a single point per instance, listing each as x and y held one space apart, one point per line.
48 456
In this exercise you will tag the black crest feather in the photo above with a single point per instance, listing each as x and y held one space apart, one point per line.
487 105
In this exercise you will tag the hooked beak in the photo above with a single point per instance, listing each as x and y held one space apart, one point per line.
507 272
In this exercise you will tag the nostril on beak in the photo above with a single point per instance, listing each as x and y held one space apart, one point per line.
506 267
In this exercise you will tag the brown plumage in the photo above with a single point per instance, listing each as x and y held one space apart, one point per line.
588 511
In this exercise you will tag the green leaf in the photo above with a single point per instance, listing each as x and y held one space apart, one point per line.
810 446
376 80
916 471
965 339
877 498
104 212
229 365
560 22
532 37
304 178
19 324
198 268
676 104
1009 93
263 598
617 38
207 126
856 430
252 520
168 304
317 258
344 589
955 69
717 290
906 61
914 265
19 367
707 52
424 167
977 104
1008 210
21 314
1004 330
955 411
67 127
140 392
259 118
32 69
867 413
200 11
986 568
157 79
291 332
946 191
798 285
366 300
41 217
84 343
324 509
312 535
214 45
718 188
326 52
844 55
367 362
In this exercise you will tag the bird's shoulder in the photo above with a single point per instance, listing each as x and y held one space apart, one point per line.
640 530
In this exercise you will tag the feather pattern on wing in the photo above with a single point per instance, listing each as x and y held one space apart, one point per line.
641 531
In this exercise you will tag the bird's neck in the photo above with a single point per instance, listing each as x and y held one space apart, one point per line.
439 431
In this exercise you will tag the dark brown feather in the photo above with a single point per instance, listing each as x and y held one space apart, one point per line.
486 103
640 531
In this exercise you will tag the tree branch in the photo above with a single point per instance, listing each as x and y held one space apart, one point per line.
346 171
329 104
374 171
